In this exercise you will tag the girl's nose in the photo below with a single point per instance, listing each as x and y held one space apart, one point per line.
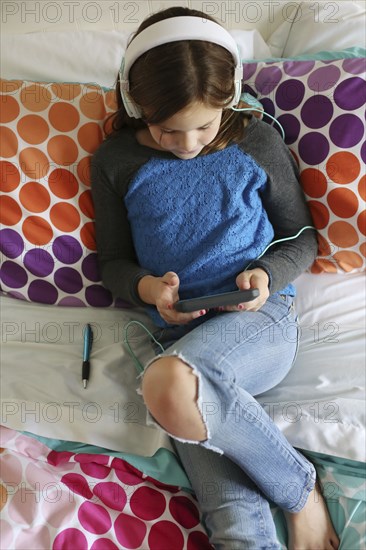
187 142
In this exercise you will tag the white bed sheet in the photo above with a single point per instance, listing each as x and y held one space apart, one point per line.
319 406
41 386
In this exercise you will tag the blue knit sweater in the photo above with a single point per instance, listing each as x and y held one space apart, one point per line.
202 218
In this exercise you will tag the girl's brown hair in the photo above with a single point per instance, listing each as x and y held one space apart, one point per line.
167 78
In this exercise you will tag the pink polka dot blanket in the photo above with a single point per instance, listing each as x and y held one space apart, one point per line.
93 501
65 500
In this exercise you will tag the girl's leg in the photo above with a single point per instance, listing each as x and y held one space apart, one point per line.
226 361
208 378
235 513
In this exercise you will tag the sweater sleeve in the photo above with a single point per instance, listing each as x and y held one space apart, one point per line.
117 260
284 202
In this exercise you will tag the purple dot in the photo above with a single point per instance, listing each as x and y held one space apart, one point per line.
269 108
11 243
67 249
354 65
351 93
90 269
16 294
13 275
291 126
68 279
249 70
71 301
317 111
298 68
39 262
313 148
363 151
346 131
267 79
98 296
42 291
324 78
290 94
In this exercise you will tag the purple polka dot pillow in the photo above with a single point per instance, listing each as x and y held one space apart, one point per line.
48 134
321 107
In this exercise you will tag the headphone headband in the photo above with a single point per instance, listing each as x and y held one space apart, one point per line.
175 29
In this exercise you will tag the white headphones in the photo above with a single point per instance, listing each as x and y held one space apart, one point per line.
173 30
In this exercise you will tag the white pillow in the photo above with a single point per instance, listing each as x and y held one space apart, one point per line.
77 56
319 26
86 56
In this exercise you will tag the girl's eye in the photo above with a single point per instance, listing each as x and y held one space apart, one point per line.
166 131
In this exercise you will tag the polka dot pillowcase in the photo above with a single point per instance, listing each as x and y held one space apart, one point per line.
48 134
321 106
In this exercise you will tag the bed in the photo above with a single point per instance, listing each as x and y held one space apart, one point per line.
81 467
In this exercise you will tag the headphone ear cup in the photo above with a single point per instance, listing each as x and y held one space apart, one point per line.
131 108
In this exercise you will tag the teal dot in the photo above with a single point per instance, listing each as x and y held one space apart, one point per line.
356 510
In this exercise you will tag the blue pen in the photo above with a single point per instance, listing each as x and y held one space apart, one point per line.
88 341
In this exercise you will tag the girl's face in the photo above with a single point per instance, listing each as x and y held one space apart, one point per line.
187 132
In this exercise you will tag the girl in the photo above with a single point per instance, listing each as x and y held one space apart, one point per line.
191 198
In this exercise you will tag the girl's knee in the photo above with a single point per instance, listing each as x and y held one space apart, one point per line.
170 391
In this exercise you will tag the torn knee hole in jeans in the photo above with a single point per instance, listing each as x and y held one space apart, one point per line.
151 420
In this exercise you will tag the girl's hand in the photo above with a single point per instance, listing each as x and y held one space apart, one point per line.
252 278
163 292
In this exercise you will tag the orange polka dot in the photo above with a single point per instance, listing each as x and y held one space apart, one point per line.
37 230
342 234
348 260
111 100
87 235
86 204
92 104
33 163
321 266
362 188
361 222
35 97
10 86
83 171
9 109
3 496
65 216
343 167
363 249
63 116
320 214
343 202
63 183
324 248
8 142
62 150
33 129
34 197
313 182
10 211
90 136
66 91
9 176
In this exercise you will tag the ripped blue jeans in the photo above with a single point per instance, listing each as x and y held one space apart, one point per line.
245 462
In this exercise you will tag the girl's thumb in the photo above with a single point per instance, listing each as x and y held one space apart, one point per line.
171 278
